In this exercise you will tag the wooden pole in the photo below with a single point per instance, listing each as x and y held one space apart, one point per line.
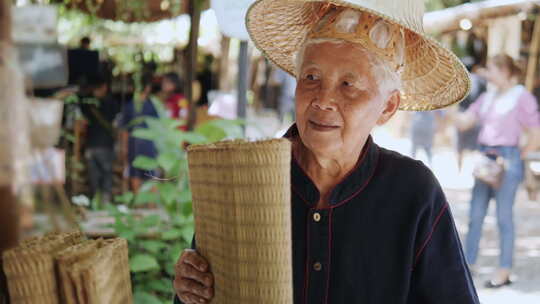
9 229
9 217
448 20
224 64
242 80
194 11
534 49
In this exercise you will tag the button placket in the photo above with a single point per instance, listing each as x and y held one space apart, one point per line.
318 254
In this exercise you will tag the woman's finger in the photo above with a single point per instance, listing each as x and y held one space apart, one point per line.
187 271
183 285
189 298
193 258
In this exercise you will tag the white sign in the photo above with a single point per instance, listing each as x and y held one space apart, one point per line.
231 17
34 24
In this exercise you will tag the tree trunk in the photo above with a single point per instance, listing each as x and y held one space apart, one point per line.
191 60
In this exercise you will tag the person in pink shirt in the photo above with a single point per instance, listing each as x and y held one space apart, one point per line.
505 112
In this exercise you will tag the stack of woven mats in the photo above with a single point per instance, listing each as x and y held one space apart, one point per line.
66 268
241 202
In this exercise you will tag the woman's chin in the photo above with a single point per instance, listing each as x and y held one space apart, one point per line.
322 144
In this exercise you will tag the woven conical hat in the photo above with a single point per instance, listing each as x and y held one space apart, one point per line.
432 76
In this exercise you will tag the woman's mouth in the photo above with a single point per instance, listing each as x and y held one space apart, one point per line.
321 126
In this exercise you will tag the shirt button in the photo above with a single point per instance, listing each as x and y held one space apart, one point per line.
317 217
317 266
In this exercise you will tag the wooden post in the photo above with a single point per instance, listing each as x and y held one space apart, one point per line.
194 11
224 64
242 81
448 20
534 49
9 229
9 217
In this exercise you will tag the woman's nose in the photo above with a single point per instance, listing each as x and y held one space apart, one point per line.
325 101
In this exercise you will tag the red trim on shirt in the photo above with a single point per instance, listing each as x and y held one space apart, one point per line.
329 254
350 197
443 209
358 191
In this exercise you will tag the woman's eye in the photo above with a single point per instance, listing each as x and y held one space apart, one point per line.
347 84
311 77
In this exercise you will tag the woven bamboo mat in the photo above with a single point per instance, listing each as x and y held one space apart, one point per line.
64 268
241 201
30 268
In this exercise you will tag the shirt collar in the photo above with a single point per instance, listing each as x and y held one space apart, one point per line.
353 183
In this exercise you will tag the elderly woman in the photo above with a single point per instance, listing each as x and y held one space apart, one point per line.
369 225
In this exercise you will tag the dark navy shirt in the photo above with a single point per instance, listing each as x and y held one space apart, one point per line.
387 237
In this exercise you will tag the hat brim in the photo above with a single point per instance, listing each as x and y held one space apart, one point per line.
432 77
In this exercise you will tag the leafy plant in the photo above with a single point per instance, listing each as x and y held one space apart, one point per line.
156 241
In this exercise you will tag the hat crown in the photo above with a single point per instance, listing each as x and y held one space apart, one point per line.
408 12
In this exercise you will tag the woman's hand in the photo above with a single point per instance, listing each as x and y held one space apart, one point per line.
193 283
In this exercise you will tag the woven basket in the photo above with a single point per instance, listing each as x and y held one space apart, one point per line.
102 277
65 260
241 201
30 268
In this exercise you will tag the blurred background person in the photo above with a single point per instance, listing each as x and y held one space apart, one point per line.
171 94
100 110
504 112
133 116
467 140
286 96
423 127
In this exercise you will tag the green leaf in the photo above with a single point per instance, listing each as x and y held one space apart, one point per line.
194 138
129 235
145 163
211 132
143 262
153 246
157 125
144 133
187 208
173 124
167 161
185 196
232 128
146 197
151 220
161 285
125 198
169 192
141 297
187 233
172 234
176 250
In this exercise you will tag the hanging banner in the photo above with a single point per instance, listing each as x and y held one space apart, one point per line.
231 17
34 24
44 64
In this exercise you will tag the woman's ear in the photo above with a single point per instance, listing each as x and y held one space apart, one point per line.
392 105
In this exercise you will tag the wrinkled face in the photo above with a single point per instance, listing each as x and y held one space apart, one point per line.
337 98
